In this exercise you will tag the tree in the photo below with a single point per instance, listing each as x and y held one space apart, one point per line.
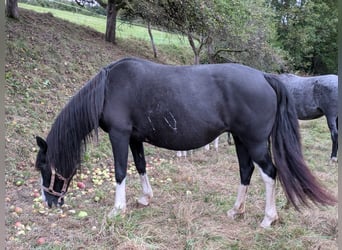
307 30
214 27
12 9
145 11
112 8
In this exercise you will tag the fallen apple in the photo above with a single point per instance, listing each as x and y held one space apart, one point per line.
18 224
80 185
82 214
36 194
41 241
18 210
19 183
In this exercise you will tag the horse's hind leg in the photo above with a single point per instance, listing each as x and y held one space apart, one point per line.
246 167
261 155
332 124
140 163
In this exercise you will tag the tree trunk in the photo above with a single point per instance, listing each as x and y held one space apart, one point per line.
12 9
152 41
111 21
210 50
193 46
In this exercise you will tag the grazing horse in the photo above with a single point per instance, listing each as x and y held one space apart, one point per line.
182 108
314 97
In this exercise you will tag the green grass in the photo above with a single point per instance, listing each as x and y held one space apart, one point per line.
124 30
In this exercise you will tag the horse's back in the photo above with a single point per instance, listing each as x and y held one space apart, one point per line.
314 96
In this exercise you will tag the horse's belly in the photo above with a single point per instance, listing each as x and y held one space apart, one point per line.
171 133
307 112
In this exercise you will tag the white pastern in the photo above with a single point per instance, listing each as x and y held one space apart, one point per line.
147 193
239 205
333 160
120 199
270 208
216 142
181 153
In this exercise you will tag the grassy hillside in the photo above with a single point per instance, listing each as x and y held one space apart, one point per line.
47 61
124 30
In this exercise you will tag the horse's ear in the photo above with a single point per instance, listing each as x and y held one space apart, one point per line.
41 143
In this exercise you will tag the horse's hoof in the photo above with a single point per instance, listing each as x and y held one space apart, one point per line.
267 222
144 200
233 213
116 212
333 160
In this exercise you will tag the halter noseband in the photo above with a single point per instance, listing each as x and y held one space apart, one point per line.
52 183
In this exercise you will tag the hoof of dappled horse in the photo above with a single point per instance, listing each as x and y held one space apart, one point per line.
116 212
144 200
268 221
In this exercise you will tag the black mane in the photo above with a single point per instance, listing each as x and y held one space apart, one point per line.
75 125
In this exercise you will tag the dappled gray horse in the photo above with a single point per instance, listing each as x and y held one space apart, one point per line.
314 97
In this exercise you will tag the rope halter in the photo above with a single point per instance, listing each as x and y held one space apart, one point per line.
50 190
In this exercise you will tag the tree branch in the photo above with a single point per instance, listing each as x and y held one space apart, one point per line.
229 51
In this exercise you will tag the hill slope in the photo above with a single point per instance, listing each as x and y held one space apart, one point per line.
47 53
47 61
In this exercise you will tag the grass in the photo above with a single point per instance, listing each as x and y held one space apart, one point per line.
47 60
124 30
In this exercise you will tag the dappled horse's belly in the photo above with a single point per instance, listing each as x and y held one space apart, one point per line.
308 112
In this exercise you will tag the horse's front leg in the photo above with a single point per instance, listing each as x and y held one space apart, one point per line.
119 143
246 170
140 163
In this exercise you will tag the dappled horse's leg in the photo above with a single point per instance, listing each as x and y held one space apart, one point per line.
140 163
333 126
246 170
120 151
229 139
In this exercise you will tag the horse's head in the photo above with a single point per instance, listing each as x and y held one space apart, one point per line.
54 185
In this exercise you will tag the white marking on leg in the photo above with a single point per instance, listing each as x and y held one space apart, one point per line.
120 199
270 207
216 142
239 205
147 193
333 160
181 153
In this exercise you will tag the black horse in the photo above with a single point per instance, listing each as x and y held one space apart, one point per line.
314 97
182 108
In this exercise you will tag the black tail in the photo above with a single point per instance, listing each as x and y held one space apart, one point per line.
299 184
